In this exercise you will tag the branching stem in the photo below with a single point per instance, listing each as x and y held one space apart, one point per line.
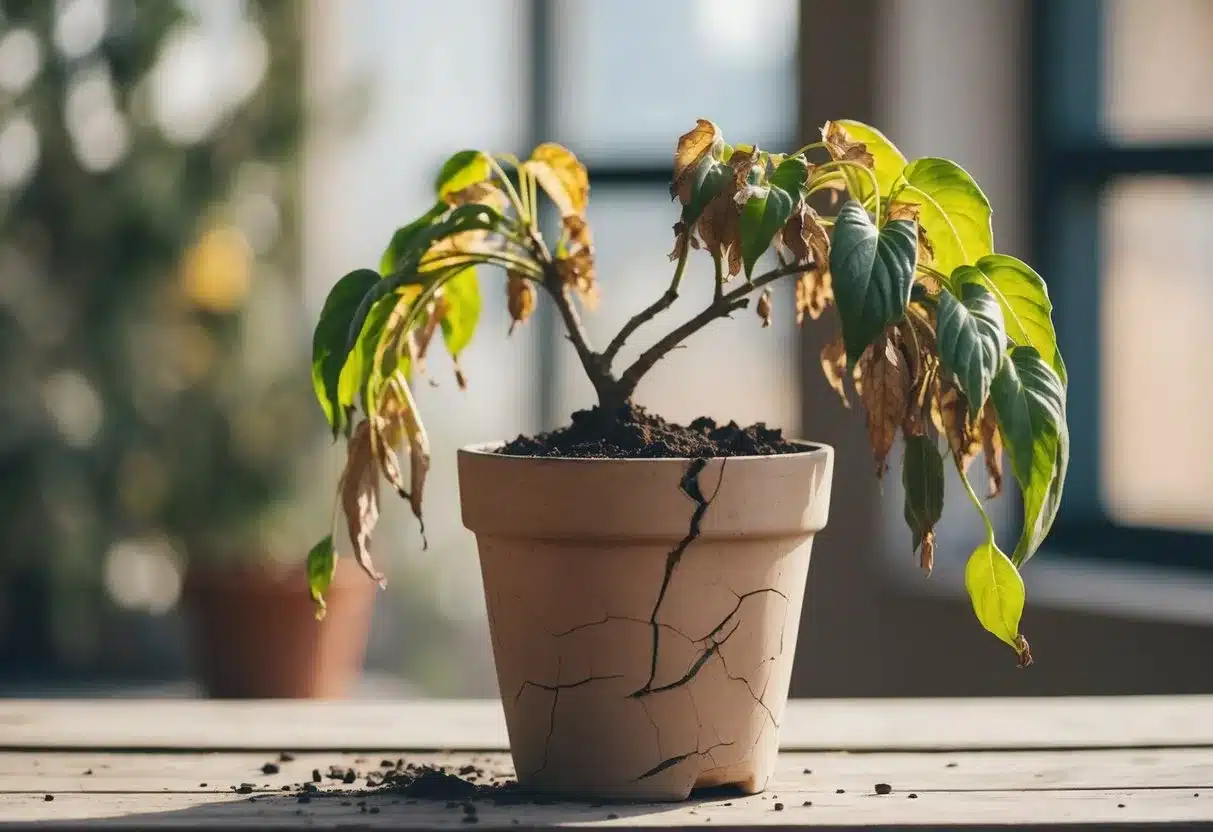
648 313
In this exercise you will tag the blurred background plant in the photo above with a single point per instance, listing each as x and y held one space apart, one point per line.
149 350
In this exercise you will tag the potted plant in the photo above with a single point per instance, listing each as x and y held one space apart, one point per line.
644 580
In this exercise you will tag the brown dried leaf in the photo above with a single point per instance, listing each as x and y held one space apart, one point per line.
926 554
396 423
842 147
360 497
883 382
681 241
703 139
950 413
576 266
926 253
424 335
764 307
520 299
834 367
991 449
918 344
484 193
814 294
1023 652
806 238
904 211
562 176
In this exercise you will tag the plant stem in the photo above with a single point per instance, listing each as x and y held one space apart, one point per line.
985 518
648 313
723 305
718 286
595 368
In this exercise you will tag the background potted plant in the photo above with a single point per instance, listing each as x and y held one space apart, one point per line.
643 579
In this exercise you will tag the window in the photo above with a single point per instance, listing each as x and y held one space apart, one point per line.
1123 200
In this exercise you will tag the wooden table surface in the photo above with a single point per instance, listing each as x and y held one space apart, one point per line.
1102 763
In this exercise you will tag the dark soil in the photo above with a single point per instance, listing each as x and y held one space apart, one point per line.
633 433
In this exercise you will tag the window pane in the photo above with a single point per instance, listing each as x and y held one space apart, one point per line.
733 369
1158 288
632 75
1159 69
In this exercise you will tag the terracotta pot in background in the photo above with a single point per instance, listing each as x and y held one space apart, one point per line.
599 700
254 632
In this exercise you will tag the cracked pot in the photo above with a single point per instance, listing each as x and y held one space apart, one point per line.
644 612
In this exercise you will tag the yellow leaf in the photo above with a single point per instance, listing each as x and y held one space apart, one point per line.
703 138
997 593
834 367
883 381
562 177
520 298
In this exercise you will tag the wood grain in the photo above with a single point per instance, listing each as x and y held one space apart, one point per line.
854 725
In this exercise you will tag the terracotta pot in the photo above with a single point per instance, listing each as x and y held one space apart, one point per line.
636 658
255 635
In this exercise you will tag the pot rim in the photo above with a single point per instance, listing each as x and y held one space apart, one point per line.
489 450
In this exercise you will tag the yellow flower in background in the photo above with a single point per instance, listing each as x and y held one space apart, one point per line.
217 270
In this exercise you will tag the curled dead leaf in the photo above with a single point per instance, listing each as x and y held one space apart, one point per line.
842 147
681 241
991 449
562 176
486 192
1023 653
764 307
950 413
520 299
926 553
397 424
702 139
806 238
904 211
814 294
575 266
834 367
883 381
360 497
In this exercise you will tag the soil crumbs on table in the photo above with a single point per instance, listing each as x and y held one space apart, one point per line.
631 432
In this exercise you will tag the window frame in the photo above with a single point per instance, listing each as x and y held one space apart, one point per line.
1074 162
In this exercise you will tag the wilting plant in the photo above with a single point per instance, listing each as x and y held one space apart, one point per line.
946 342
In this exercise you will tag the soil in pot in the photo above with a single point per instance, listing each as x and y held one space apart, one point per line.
254 633
644 583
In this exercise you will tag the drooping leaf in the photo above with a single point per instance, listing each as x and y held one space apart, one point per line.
1024 299
702 140
765 210
360 497
887 162
922 479
708 179
882 380
996 590
950 413
520 300
953 211
872 271
764 307
562 176
329 341
397 424
462 170
834 367
971 340
1029 400
991 449
360 364
321 566
405 238
461 294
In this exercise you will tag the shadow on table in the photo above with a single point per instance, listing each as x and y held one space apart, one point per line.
385 810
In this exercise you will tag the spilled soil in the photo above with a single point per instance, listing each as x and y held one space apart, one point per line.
631 432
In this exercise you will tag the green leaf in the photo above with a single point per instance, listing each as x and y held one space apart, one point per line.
765 212
1024 298
791 174
465 168
922 479
872 272
889 161
1029 401
462 295
954 212
405 239
330 343
360 365
971 340
709 180
321 566
997 593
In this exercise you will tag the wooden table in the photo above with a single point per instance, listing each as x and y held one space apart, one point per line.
1092 762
